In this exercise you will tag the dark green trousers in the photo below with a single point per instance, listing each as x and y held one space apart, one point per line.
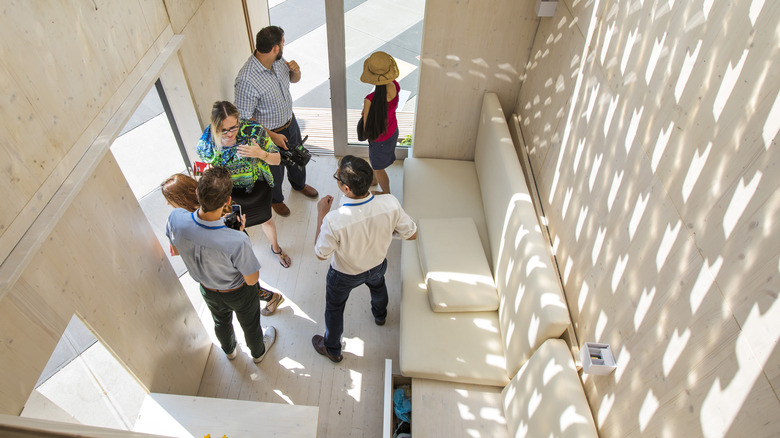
243 301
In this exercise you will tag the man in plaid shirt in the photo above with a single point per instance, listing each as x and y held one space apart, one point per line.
262 93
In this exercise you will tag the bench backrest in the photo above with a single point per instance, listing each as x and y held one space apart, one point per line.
532 308
545 398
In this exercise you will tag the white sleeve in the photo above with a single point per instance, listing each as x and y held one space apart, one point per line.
327 242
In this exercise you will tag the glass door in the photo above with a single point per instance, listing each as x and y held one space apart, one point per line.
356 29
391 26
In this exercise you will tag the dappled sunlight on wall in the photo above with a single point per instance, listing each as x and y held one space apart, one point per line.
651 127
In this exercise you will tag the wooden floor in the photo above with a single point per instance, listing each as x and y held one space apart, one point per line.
318 125
349 394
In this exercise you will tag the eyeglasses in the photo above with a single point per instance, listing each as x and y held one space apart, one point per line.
337 178
230 131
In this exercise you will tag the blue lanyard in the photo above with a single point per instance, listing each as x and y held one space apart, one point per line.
206 226
359 203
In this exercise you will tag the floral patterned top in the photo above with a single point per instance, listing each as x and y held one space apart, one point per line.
244 171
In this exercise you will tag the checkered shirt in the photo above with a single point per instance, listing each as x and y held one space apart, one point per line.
264 94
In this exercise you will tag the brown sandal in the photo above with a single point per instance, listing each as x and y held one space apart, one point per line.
284 259
272 305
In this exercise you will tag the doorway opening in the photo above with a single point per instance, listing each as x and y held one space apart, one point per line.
396 29
399 33
148 150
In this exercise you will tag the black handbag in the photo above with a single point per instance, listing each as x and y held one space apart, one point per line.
360 131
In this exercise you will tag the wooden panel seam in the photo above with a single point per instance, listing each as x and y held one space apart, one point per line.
248 26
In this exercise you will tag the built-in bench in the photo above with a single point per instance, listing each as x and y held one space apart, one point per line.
480 295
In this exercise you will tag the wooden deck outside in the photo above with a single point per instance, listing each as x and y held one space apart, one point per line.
317 124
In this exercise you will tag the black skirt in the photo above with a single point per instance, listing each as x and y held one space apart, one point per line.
256 205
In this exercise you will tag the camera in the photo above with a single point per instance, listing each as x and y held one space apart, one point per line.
233 219
296 155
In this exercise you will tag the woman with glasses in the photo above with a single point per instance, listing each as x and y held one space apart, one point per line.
244 148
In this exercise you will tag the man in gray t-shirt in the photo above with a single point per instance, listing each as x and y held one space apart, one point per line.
222 261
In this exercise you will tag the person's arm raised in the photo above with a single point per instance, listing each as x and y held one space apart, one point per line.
323 207
295 71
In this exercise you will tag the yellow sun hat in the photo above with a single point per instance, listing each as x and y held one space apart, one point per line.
379 69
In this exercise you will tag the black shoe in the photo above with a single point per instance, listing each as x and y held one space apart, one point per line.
318 342
378 321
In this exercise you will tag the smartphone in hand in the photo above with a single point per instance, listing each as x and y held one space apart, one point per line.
233 219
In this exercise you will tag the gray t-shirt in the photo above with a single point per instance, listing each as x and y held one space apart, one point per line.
217 257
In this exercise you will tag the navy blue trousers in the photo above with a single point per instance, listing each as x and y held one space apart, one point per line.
338 287
296 176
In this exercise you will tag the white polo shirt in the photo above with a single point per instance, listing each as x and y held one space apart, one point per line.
359 232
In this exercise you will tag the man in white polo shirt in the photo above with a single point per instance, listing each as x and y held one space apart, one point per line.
357 235
222 261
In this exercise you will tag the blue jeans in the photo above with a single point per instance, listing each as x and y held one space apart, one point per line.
244 302
338 286
296 176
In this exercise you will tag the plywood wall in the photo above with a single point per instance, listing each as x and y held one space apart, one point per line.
103 263
468 48
216 47
652 130
73 239
61 65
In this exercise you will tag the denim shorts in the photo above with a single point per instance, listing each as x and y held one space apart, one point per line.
382 154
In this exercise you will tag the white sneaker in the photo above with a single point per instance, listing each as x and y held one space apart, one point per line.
232 355
269 336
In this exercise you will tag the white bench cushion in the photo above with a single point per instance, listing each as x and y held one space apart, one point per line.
450 409
532 308
461 347
545 398
444 189
454 266
492 191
